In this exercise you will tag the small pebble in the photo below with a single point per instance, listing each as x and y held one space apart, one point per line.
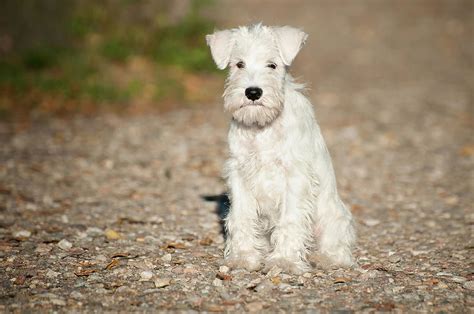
190 269
217 282
162 282
52 274
398 289
371 274
284 286
264 286
371 222
146 275
458 279
22 234
442 285
442 273
43 248
274 271
224 269
59 302
76 295
285 276
469 285
101 258
64 244
94 231
256 306
394 258
166 258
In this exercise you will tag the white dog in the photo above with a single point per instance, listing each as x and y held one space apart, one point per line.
283 191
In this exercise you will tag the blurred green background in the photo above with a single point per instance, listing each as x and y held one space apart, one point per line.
139 56
84 56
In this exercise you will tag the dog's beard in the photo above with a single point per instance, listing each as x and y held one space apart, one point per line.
258 113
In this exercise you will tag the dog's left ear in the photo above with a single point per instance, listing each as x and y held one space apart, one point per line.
221 43
289 41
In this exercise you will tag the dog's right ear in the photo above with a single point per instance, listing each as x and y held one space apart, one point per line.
289 41
221 46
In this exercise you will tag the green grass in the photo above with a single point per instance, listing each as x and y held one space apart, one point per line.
84 70
13 76
40 58
116 49
187 44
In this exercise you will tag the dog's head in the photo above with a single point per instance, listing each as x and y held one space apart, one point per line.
258 57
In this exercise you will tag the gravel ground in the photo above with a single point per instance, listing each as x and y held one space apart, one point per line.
108 213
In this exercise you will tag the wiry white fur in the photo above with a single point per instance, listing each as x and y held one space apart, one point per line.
282 184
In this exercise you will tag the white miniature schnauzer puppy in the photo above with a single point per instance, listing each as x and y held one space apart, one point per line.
284 199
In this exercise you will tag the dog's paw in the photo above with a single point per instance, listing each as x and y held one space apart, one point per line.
328 261
246 261
286 265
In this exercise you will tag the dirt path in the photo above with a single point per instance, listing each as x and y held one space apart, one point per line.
107 213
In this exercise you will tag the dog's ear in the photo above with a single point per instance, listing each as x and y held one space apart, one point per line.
289 41
221 43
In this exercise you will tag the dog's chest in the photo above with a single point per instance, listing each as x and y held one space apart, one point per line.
261 164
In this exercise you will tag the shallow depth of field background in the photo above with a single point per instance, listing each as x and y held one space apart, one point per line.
73 56
62 57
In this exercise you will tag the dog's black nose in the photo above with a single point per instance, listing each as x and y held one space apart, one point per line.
253 93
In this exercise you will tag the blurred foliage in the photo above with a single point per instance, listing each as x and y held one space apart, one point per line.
113 54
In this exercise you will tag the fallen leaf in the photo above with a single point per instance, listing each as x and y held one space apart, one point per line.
381 268
432 281
4 190
130 220
341 280
5 247
20 280
387 306
451 200
255 306
120 254
275 280
356 208
112 264
179 261
213 307
112 234
87 263
206 241
84 272
188 237
467 150
223 276
174 245
230 302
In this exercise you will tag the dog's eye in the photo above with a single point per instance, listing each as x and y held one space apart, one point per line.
240 64
272 66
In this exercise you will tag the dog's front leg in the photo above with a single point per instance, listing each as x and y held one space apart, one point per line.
292 234
243 244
